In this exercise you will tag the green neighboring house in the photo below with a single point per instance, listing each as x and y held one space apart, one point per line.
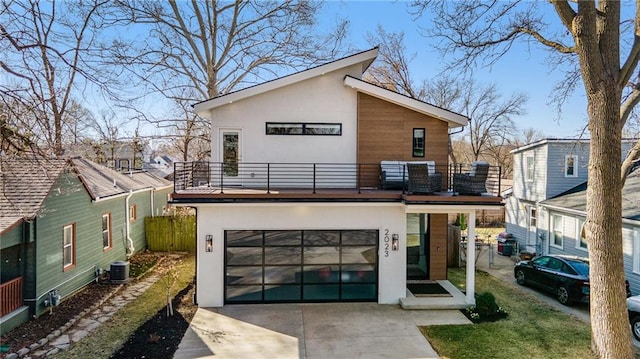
62 221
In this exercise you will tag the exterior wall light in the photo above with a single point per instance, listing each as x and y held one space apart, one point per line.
208 243
394 242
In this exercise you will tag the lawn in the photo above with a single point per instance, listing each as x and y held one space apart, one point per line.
532 330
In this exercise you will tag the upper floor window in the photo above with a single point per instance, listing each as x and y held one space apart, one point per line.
303 128
571 166
418 142
106 231
529 167
69 246
581 234
557 223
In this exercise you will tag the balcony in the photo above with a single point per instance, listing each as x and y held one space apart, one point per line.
196 182
10 296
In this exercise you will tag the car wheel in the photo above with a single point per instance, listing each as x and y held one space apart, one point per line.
563 295
520 278
635 327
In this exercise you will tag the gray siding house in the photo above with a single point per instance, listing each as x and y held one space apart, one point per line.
544 170
60 221
567 215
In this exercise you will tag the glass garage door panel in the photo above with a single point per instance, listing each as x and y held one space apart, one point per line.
243 238
301 266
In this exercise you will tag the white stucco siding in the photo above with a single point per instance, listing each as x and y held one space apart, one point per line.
215 219
322 99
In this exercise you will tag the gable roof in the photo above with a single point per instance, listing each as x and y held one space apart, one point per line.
546 141
452 118
576 201
102 182
365 58
26 183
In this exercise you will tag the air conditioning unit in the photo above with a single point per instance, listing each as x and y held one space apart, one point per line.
119 272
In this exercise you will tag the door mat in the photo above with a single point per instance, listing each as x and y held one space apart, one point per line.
427 290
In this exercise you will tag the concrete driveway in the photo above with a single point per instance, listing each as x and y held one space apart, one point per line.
340 330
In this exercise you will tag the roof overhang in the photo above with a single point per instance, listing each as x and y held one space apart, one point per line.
452 118
364 58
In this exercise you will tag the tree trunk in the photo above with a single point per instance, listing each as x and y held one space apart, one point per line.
609 322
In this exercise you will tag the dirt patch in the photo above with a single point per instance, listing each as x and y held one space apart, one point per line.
160 336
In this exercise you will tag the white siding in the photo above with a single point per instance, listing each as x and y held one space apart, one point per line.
321 99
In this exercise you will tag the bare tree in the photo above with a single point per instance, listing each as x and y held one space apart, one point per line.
199 50
491 115
605 60
48 47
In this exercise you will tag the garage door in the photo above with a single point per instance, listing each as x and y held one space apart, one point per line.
301 266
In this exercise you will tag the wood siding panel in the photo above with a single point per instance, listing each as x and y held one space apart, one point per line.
438 246
69 203
385 132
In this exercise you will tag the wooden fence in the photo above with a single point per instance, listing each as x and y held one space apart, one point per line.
171 233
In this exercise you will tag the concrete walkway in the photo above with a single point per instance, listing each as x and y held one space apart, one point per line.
337 330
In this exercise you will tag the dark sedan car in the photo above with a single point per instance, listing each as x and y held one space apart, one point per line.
565 276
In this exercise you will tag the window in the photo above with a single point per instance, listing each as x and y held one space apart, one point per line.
302 128
418 142
529 167
581 235
636 250
106 231
571 166
132 213
557 227
68 247
533 222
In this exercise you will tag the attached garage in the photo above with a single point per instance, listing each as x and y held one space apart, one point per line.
276 266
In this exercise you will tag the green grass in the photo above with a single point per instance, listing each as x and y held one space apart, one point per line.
107 338
532 330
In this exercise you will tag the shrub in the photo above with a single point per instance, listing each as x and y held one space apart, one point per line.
485 310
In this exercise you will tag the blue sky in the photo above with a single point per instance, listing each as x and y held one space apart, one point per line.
519 71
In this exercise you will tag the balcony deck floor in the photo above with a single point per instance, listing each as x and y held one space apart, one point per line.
215 194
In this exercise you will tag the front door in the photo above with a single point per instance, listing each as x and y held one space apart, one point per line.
417 247
230 153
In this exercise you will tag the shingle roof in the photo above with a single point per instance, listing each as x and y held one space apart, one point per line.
25 183
103 182
577 201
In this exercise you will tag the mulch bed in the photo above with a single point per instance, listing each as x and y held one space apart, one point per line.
38 328
160 336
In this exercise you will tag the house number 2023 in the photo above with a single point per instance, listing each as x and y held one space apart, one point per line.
386 242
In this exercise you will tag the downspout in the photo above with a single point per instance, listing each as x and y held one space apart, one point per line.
130 247
151 198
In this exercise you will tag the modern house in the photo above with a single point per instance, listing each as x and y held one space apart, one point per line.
313 197
567 214
542 170
61 222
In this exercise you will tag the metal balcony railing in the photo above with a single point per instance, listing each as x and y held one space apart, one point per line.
306 176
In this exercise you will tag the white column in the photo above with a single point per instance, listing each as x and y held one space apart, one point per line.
471 257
